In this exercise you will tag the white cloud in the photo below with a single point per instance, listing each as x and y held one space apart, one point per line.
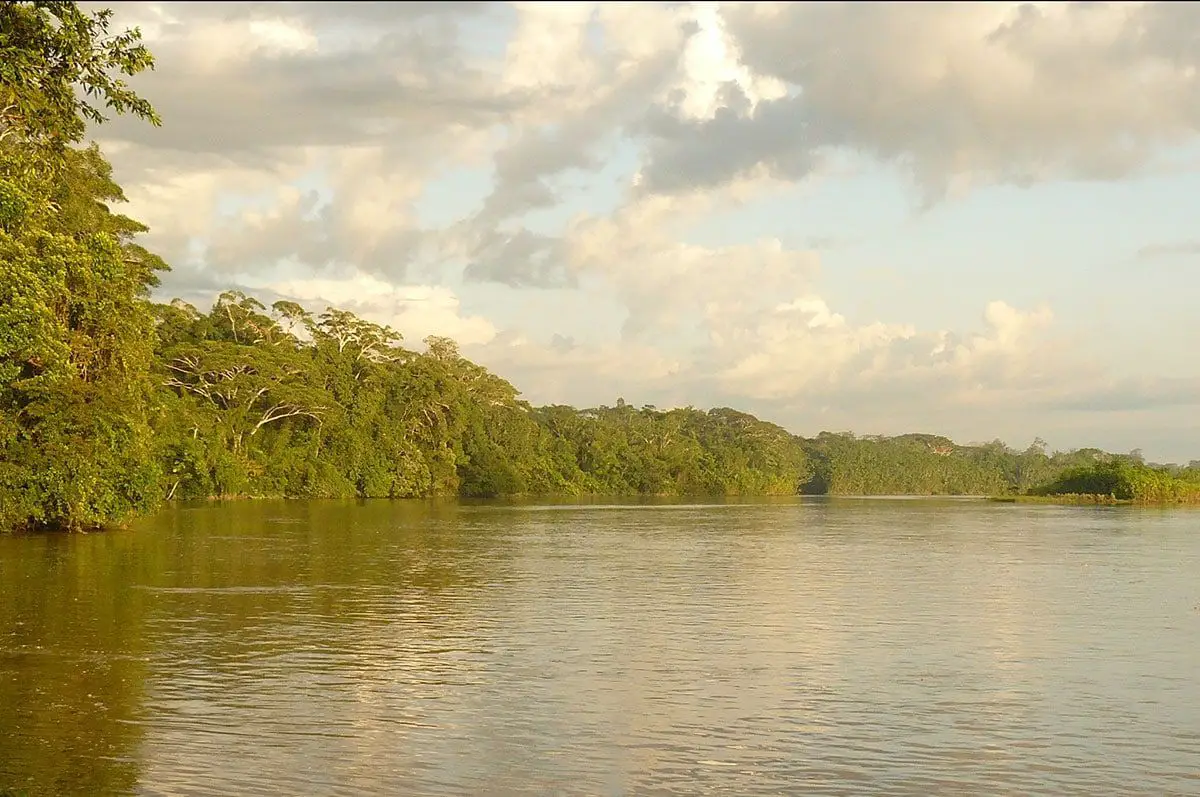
546 48
278 36
415 311
292 163
562 373
208 45
667 284
745 322
962 93
710 60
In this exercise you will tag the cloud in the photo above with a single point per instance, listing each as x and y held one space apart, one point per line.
958 94
560 372
301 141
248 82
261 101
746 322
415 311
519 259
382 103
587 96
796 359
667 284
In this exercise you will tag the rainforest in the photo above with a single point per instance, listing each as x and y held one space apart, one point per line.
112 402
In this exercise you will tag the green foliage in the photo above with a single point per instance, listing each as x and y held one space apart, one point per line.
1125 479
50 51
75 350
332 405
76 335
250 407
908 465
917 464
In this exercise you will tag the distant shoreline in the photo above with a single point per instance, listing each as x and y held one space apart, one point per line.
1089 499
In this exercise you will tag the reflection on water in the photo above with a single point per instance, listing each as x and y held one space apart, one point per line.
831 647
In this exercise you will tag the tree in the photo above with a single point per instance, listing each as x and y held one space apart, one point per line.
48 50
247 386
242 319
76 336
291 317
358 337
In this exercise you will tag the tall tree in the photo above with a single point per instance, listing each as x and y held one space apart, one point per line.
76 335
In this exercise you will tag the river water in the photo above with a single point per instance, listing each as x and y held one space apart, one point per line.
767 647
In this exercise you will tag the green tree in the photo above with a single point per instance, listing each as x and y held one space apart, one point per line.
76 334
51 52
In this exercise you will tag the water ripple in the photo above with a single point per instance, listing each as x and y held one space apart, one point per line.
866 647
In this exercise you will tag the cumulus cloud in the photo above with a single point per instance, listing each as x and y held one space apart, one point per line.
248 82
800 357
300 141
561 372
957 93
259 97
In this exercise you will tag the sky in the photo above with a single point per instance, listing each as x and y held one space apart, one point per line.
971 219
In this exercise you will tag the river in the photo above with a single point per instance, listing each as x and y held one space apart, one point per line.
825 646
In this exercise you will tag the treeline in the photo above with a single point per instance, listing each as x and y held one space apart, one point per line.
111 403
254 401
245 400
920 464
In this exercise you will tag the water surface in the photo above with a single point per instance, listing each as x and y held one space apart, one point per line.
816 646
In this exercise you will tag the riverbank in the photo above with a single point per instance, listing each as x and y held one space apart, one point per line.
1072 499
1091 499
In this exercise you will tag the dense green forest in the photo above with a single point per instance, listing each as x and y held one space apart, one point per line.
111 403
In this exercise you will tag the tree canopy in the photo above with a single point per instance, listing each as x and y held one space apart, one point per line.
51 51
76 332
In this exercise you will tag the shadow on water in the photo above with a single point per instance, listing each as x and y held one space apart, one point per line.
97 630
72 665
